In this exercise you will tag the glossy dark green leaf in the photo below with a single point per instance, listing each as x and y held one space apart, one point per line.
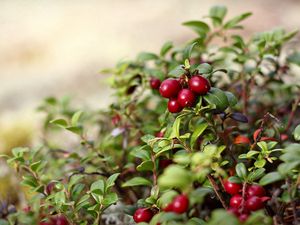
204 68
60 122
137 181
270 178
199 129
218 98
217 13
241 170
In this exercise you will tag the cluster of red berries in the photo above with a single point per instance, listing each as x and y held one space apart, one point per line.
179 205
180 93
254 198
56 220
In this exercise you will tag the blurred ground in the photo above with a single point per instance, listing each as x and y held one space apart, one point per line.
58 47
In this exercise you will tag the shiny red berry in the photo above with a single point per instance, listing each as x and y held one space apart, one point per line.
232 188
180 204
254 203
169 207
199 85
155 83
169 88
186 98
142 215
174 106
235 201
256 190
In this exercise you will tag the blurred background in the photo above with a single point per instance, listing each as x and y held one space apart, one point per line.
57 48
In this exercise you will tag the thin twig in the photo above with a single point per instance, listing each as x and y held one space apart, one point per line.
217 191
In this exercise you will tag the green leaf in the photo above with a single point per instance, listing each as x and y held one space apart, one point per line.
175 176
241 170
199 27
176 128
231 98
98 187
29 181
59 122
294 58
75 130
199 129
252 153
218 98
204 68
137 181
235 179
234 21
3 222
111 180
260 163
286 168
270 178
165 48
74 180
147 138
220 216
60 198
177 71
36 165
145 166
263 146
188 51
110 198
217 13
146 56
75 118
297 133
256 174
83 202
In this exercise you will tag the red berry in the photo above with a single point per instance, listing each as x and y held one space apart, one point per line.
154 83
232 188
199 85
186 98
180 204
174 106
243 217
235 201
169 207
254 203
142 215
60 220
256 190
169 88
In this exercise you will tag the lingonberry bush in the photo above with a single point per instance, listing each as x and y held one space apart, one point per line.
205 133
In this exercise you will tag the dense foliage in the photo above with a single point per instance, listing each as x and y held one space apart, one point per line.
205 133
